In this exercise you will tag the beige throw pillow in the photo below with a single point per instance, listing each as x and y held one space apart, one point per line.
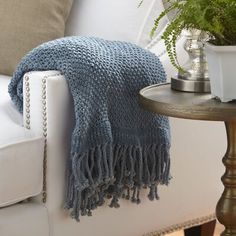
25 24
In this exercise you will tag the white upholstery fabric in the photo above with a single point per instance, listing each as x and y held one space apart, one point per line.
24 219
114 20
21 154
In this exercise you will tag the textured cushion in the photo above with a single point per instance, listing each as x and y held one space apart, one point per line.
25 24
21 154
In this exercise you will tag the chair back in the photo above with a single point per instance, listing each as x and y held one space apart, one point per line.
115 19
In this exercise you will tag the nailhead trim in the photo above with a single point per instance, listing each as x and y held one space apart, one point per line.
44 124
27 102
44 104
45 130
27 125
182 226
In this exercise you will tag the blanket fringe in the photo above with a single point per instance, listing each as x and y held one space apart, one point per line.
115 172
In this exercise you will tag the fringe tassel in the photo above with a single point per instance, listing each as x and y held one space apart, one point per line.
109 171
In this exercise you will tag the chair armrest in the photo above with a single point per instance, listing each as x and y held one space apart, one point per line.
45 93
48 111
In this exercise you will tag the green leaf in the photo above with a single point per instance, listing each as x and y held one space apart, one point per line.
216 17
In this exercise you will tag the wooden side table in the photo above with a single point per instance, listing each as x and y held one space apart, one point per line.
162 100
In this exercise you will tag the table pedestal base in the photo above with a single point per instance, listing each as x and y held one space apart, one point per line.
226 207
198 106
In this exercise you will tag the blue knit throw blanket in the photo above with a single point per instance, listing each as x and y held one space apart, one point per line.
117 148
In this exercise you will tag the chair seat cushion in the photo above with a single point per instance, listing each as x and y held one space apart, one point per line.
21 153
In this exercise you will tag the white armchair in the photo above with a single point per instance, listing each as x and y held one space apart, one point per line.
33 156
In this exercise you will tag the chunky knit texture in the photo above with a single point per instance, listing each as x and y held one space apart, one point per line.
117 148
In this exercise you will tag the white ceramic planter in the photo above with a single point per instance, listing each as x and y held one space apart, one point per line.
222 71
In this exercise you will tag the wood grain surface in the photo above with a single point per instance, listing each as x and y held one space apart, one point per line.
163 100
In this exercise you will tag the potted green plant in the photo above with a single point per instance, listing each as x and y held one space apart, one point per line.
218 19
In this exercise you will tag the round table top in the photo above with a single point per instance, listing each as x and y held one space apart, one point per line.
163 100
